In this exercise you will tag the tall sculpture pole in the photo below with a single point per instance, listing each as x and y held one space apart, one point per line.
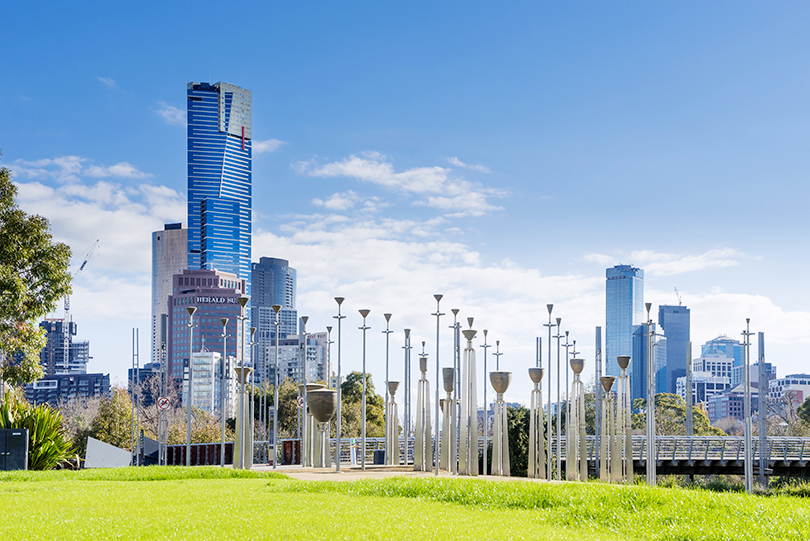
608 448
423 447
651 445
252 402
276 308
391 432
598 390
537 456
468 429
329 343
190 310
387 332
306 444
762 388
406 430
438 315
242 458
364 328
338 384
455 411
222 413
486 404
566 387
549 470
500 437
446 404
577 442
558 449
624 473
497 354
322 404
748 428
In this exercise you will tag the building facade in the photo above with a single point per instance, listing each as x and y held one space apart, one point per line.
59 389
638 361
214 294
792 389
725 347
624 310
290 365
207 372
169 257
220 199
730 403
675 322
61 354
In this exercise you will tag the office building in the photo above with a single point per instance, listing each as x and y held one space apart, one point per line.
289 352
730 403
273 281
148 378
207 388
624 311
220 199
61 354
792 389
638 361
214 294
726 347
60 389
675 322
738 372
169 257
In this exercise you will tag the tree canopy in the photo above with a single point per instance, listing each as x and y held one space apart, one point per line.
670 417
33 277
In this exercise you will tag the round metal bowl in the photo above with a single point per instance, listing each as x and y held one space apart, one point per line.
623 360
500 381
392 387
448 376
607 382
577 365
322 403
536 374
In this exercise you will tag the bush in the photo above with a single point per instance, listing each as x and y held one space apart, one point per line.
48 445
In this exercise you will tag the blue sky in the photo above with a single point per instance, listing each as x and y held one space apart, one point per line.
501 154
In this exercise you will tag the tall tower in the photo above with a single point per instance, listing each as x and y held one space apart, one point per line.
675 320
169 257
624 309
220 164
273 282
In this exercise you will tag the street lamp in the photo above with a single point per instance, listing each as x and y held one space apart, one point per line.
651 459
338 384
240 446
276 308
455 411
407 428
486 406
251 411
329 343
548 416
387 332
438 315
749 463
302 356
558 336
224 322
364 328
190 310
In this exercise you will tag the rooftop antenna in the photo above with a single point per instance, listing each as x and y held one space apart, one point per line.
678 295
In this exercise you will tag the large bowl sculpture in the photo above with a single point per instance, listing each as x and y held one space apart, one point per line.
623 360
536 374
469 334
500 381
448 377
322 404
311 387
423 364
607 382
577 365
392 387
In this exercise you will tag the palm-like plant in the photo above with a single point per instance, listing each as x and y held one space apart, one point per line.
48 445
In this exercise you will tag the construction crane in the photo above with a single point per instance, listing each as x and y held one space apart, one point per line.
678 295
87 254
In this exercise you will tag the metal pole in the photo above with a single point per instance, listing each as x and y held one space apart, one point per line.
762 394
598 390
387 332
548 413
276 308
163 426
749 464
486 406
241 462
407 428
364 328
651 446
690 416
329 343
251 406
559 406
497 355
455 411
224 322
302 356
566 368
190 310
438 315
338 383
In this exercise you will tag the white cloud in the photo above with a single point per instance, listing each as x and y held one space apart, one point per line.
171 114
67 169
267 146
338 201
455 196
665 264
458 163
108 81
600 259
119 170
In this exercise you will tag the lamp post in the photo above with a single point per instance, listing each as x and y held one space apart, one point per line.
364 328
454 409
338 384
651 459
497 355
598 392
190 310
276 308
438 315
240 446
302 356
251 412
387 332
558 336
486 406
329 343
566 389
763 402
548 415
407 428
749 463
224 322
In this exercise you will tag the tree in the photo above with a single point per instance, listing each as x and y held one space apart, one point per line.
670 417
517 423
351 409
113 423
33 277
804 411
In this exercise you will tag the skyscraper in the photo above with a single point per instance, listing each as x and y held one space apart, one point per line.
220 199
61 354
624 309
675 321
169 257
273 282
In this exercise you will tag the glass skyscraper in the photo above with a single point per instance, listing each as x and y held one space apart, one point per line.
624 310
273 282
675 321
220 199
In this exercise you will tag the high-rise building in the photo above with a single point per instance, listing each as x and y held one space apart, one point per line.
220 199
289 352
61 354
726 347
675 321
169 257
214 294
638 361
273 282
57 390
624 310
207 374
711 375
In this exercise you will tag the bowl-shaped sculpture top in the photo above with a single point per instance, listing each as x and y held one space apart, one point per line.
392 387
448 377
423 364
536 374
500 381
607 382
311 387
322 403
469 334
623 360
577 365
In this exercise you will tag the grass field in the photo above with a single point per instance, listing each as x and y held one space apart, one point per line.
206 503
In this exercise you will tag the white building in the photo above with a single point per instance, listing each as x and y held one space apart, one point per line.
289 352
794 386
711 375
207 373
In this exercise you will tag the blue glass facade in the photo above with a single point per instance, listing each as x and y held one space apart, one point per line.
675 320
219 178
624 310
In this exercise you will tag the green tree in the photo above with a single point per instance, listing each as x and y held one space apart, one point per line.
670 417
804 411
48 444
113 423
517 423
33 277
351 409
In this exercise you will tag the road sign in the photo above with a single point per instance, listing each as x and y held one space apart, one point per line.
300 401
163 403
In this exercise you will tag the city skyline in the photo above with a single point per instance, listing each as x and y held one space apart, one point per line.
530 166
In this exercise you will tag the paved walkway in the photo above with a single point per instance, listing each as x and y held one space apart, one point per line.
352 473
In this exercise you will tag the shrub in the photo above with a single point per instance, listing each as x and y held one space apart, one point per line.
48 445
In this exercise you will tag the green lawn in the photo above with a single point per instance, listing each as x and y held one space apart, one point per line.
207 503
